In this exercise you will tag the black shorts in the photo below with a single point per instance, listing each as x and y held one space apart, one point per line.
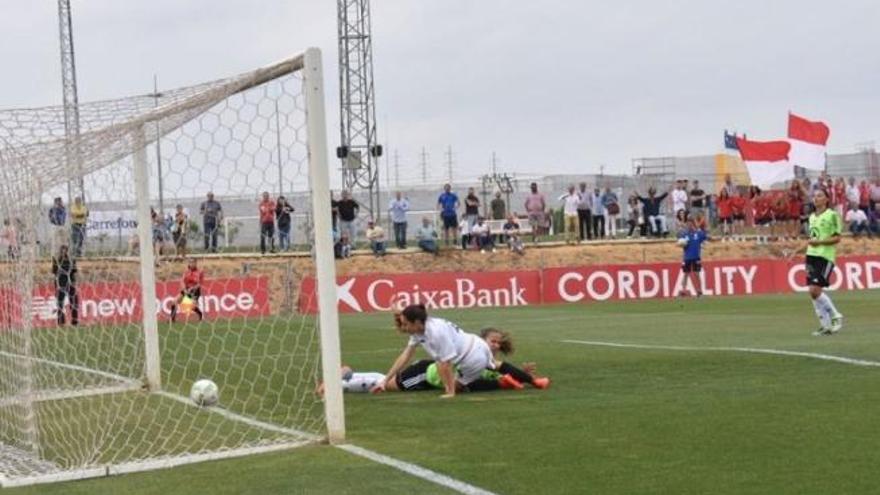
739 218
728 220
689 266
763 221
450 221
819 271
414 377
193 294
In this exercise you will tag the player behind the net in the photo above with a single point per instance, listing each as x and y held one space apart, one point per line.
825 230
193 279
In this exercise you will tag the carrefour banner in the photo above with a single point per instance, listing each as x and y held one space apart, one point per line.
112 222
366 293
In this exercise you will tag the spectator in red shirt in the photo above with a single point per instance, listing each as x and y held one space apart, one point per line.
738 213
267 223
865 197
193 279
779 206
725 213
763 207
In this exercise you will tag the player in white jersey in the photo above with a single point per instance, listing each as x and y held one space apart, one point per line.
453 349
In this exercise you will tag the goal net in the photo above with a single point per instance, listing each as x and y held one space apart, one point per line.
121 285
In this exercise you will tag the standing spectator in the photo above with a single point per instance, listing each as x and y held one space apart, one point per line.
58 220
448 205
634 216
426 236
212 215
857 221
10 238
865 197
267 223
511 232
651 205
763 206
498 207
738 205
697 200
397 211
283 211
535 206
838 195
874 196
585 220
730 186
612 210
344 243
598 214
334 210
64 272
570 203
483 235
464 229
158 233
795 205
193 281
852 192
79 217
725 214
179 231
376 237
471 207
679 197
348 211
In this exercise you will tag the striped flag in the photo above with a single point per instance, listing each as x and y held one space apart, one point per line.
766 161
808 140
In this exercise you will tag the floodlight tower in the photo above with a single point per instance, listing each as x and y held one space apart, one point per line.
71 100
358 149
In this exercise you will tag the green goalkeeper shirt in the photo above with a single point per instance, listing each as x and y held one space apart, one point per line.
822 227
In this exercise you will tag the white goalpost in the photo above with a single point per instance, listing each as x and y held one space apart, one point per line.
97 352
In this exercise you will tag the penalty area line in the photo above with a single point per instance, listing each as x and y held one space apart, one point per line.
751 350
414 470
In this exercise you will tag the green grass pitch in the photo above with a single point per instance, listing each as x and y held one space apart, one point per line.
616 420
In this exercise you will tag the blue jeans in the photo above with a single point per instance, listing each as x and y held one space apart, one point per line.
210 236
429 245
378 247
400 234
284 237
77 237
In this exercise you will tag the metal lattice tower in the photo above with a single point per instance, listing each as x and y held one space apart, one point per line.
359 149
68 88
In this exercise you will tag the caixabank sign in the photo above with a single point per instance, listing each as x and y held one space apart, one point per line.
378 292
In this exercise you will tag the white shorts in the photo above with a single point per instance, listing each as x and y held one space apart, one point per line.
477 359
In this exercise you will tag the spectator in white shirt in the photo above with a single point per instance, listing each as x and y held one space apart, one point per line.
426 236
852 192
397 210
612 211
511 231
482 234
856 220
585 217
679 197
570 202
376 237
464 229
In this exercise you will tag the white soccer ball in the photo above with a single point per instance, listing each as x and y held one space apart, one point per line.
682 241
204 393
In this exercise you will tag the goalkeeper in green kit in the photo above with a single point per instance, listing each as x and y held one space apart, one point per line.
825 230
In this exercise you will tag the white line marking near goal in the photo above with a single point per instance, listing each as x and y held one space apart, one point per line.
417 471
753 350
74 367
47 395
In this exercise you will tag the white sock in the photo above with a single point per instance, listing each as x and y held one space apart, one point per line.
828 306
361 382
824 318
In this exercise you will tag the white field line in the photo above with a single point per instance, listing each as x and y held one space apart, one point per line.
414 470
752 350
47 395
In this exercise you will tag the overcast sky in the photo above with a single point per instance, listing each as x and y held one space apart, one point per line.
552 86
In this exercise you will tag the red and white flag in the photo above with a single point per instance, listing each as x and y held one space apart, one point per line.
808 140
766 161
